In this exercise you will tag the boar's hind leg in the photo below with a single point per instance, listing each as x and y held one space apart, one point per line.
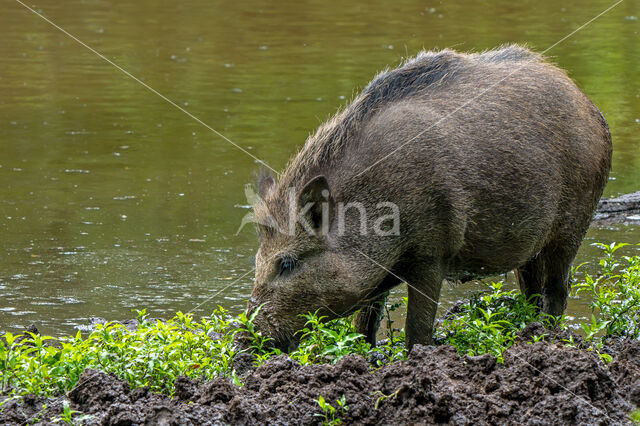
558 269
547 275
423 284
530 277
367 320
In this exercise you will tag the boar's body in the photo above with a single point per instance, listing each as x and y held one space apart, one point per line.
496 162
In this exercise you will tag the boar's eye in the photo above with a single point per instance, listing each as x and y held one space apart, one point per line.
287 264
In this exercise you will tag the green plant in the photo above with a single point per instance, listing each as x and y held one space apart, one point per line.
615 295
391 331
342 403
540 338
67 414
258 343
488 322
329 412
153 355
141 314
382 397
322 341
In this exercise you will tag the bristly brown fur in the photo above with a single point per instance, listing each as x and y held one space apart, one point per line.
495 162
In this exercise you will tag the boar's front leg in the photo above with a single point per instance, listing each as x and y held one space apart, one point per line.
424 282
367 319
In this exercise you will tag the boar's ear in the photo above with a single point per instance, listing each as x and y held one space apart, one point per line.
265 183
320 213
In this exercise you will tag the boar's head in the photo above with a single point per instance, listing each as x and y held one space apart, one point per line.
300 265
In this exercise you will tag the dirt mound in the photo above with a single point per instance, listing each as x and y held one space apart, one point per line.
625 370
29 410
557 335
538 383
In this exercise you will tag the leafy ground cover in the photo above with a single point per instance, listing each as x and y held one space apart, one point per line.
161 356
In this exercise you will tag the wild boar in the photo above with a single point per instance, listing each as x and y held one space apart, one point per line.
478 163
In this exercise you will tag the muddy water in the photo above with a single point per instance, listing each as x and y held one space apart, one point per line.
112 199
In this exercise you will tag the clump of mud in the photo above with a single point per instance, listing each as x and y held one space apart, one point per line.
539 383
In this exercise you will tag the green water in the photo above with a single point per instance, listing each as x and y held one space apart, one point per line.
111 198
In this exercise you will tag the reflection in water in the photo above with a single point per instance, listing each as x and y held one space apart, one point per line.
111 199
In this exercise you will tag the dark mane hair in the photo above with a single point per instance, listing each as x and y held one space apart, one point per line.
415 77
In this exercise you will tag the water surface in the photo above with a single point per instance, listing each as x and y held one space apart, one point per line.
112 199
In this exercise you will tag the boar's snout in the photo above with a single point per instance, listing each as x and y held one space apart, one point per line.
273 326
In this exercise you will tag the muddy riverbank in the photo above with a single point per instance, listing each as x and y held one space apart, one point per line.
622 209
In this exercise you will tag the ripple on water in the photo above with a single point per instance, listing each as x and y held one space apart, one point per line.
19 277
45 303
69 300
